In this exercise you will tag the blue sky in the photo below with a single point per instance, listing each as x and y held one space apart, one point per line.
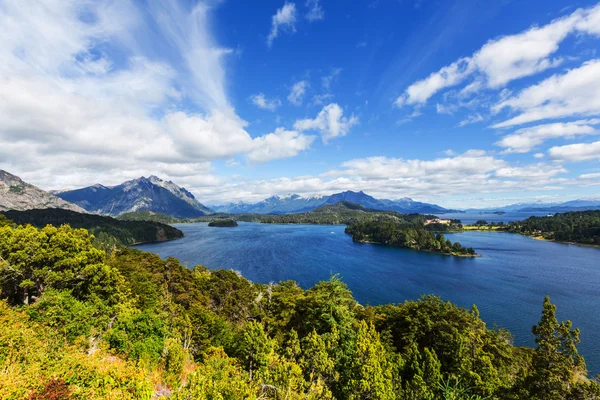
461 103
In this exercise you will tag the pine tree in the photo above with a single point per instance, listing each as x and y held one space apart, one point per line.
556 360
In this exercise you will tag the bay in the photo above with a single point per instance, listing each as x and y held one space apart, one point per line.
508 283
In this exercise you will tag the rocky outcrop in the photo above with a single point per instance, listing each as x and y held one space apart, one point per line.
15 194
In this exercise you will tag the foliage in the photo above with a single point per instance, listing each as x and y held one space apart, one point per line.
106 229
403 235
146 215
579 227
221 223
131 325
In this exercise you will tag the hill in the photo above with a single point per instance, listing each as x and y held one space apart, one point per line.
581 227
151 194
15 194
145 215
104 228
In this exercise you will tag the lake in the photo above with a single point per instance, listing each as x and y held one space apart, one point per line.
508 283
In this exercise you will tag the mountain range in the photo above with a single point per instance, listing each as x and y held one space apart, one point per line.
165 197
296 203
18 195
590 203
152 194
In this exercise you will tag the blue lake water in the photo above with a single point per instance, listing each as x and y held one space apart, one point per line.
508 283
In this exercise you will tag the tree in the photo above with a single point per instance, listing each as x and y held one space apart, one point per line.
371 376
33 260
556 360
255 348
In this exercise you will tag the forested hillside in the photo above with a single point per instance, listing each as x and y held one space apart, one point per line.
107 231
579 227
78 323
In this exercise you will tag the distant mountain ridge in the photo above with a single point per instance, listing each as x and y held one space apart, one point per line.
296 204
590 203
15 194
151 194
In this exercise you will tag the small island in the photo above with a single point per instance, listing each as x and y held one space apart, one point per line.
402 235
223 223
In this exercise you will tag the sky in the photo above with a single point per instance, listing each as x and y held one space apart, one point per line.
462 103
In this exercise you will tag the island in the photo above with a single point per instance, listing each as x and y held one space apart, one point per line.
407 236
223 223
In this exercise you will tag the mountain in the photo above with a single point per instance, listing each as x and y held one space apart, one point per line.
590 203
296 204
152 194
18 195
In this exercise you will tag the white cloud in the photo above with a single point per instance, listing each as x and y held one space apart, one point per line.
448 109
188 32
576 152
72 115
297 93
279 144
539 155
329 79
535 171
330 122
471 119
284 19
575 93
419 92
261 101
384 177
595 175
315 12
510 57
524 140
320 99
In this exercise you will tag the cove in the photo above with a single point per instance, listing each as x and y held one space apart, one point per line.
508 283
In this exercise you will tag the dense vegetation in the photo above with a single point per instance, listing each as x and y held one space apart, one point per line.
78 323
223 223
396 233
577 227
145 215
107 231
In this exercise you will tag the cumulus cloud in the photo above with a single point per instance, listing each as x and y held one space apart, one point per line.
385 177
576 152
524 140
284 19
297 93
262 102
279 144
507 58
88 100
315 11
575 93
330 122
